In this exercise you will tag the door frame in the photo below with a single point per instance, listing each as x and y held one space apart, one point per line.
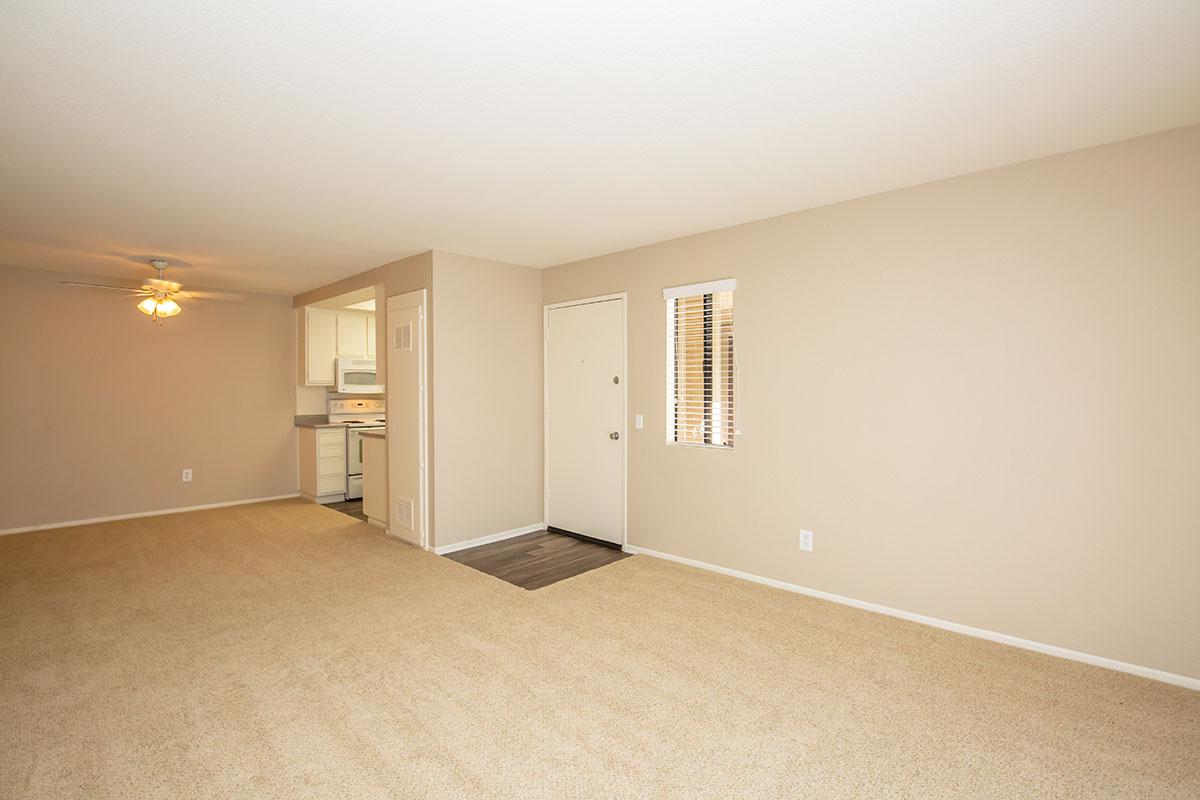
415 299
546 309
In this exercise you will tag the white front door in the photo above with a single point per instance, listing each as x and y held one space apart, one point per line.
406 415
585 419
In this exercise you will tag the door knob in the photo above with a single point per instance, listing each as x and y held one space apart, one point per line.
614 436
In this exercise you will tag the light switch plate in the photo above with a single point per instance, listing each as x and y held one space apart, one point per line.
637 421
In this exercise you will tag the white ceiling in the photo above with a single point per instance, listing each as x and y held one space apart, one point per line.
281 144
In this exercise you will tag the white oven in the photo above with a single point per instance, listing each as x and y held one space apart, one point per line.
358 414
354 459
357 376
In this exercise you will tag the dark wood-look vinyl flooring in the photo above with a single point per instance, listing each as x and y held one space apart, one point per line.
537 559
352 508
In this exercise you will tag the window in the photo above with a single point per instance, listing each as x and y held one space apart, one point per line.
701 369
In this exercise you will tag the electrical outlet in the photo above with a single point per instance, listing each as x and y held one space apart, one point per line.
806 538
187 476
638 421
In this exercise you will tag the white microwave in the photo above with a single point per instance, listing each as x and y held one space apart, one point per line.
356 376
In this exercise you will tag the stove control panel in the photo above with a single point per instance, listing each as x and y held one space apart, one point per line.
365 406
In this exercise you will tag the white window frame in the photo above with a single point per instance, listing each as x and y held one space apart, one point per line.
673 293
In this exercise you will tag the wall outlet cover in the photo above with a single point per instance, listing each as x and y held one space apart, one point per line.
187 476
806 541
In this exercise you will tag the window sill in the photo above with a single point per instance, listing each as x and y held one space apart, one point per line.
686 446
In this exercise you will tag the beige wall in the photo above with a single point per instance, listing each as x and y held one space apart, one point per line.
102 409
982 394
311 399
488 397
397 277
485 368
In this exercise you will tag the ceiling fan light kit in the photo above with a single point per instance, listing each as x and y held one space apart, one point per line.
158 308
158 294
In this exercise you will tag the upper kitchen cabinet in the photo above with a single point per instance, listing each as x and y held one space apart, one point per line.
320 345
351 334
330 334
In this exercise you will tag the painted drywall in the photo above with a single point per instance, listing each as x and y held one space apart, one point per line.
395 278
311 399
488 395
102 409
981 394
485 386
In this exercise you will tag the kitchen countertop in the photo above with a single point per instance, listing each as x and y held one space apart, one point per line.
373 434
316 421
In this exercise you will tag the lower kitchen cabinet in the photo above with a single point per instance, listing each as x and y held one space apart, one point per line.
323 464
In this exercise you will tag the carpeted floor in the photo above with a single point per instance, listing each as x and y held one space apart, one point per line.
285 650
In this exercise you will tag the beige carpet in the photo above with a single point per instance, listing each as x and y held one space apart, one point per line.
286 650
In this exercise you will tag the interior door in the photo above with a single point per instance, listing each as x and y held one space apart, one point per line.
585 419
406 415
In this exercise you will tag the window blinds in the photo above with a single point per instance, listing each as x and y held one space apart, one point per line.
701 366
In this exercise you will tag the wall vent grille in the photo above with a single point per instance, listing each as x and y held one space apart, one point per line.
404 513
404 337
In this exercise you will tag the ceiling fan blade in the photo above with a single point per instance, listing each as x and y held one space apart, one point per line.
207 294
105 286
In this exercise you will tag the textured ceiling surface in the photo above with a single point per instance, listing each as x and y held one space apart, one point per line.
276 146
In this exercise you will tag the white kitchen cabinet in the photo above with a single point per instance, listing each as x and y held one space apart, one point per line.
323 464
351 335
330 334
320 344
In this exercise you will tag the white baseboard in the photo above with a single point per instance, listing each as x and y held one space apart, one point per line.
979 633
158 513
322 499
493 537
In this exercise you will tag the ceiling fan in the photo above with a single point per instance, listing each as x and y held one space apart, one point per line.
160 296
